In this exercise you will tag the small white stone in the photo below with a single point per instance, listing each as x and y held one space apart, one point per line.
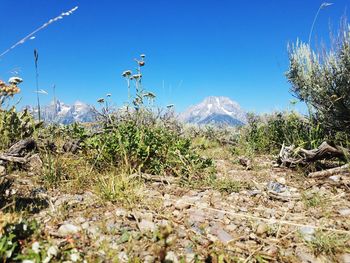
68 229
344 212
171 257
307 233
146 225
335 178
281 180
181 204
74 257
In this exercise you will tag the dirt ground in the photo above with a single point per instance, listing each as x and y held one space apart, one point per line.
274 215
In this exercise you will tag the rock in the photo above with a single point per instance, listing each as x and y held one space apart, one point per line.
221 234
123 257
276 187
181 233
120 212
74 257
196 216
93 230
182 204
85 225
190 257
149 259
147 216
306 257
34 163
344 212
335 178
254 192
345 258
262 229
231 227
281 180
2 170
51 252
307 232
299 207
171 257
176 213
146 225
68 229
167 203
272 251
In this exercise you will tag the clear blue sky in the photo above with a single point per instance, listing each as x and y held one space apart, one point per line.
197 47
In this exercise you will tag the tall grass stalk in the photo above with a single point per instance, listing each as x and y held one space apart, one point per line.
322 6
36 57
32 34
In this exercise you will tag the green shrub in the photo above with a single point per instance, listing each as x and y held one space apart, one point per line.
321 79
13 237
146 148
15 126
267 133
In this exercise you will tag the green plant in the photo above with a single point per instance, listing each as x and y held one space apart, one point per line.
118 187
148 149
15 126
36 57
267 133
314 200
7 247
320 79
227 185
328 243
141 140
14 237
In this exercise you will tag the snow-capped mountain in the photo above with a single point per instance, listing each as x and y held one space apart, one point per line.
215 110
60 112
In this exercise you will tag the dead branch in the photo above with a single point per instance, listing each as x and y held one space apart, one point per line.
289 156
19 148
342 170
14 159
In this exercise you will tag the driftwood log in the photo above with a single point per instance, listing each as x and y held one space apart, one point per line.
290 156
18 153
342 170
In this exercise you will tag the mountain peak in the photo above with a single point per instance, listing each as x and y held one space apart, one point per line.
215 110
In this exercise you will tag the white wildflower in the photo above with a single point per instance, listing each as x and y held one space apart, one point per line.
15 80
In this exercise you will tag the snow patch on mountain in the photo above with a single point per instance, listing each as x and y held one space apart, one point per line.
59 112
215 110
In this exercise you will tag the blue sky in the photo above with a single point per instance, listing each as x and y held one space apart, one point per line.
194 48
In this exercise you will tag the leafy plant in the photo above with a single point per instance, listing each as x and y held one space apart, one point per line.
15 126
328 243
14 237
265 134
118 187
321 79
140 140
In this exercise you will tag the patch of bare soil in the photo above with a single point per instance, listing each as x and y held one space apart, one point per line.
282 216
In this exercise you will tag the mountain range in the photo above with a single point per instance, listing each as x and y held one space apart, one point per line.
212 110
59 112
216 111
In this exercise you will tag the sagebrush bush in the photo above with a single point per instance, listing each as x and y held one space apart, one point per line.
321 79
